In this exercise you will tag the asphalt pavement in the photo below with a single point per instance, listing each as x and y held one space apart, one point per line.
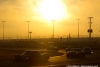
57 59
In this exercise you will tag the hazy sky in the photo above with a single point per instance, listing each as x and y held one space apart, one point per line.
17 12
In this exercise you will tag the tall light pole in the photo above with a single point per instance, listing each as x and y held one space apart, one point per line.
28 28
53 29
30 35
78 26
3 29
90 29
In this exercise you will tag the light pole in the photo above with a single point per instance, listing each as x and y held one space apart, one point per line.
28 28
90 29
53 29
30 35
3 29
78 26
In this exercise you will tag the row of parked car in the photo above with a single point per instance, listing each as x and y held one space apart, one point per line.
72 52
36 55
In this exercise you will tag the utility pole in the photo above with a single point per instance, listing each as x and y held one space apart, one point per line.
28 28
30 35
78 26
3 29
90 30
53 29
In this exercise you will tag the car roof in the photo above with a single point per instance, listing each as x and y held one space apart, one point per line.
70 46
32 51
86 48
76 49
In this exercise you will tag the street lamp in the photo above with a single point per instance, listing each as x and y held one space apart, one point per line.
53 29
78 26
3 29
30 35
28 28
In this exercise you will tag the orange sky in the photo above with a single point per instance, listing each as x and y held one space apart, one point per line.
17 12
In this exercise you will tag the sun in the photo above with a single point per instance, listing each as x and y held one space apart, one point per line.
52 9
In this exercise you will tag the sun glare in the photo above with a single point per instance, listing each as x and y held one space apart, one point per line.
52 9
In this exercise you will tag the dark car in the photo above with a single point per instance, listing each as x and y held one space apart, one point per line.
88 50
52 48
75 53
69 48
31 55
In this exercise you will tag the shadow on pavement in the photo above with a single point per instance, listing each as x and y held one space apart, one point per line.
23 64
53 53
38 63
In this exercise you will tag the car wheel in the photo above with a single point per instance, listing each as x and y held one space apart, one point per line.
67 56
14 60
44 60
82 55
17 61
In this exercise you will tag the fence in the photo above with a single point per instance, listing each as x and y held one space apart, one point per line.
64 38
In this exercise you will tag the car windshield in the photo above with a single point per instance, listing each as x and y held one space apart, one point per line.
75 49
87 48
31 52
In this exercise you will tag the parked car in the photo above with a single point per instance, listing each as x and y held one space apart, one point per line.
88 50
69 48
31 55
52 48
75 53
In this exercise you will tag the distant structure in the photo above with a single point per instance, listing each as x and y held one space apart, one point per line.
69 38
78 26
90 29
30 35
3 29
28 28
53 29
